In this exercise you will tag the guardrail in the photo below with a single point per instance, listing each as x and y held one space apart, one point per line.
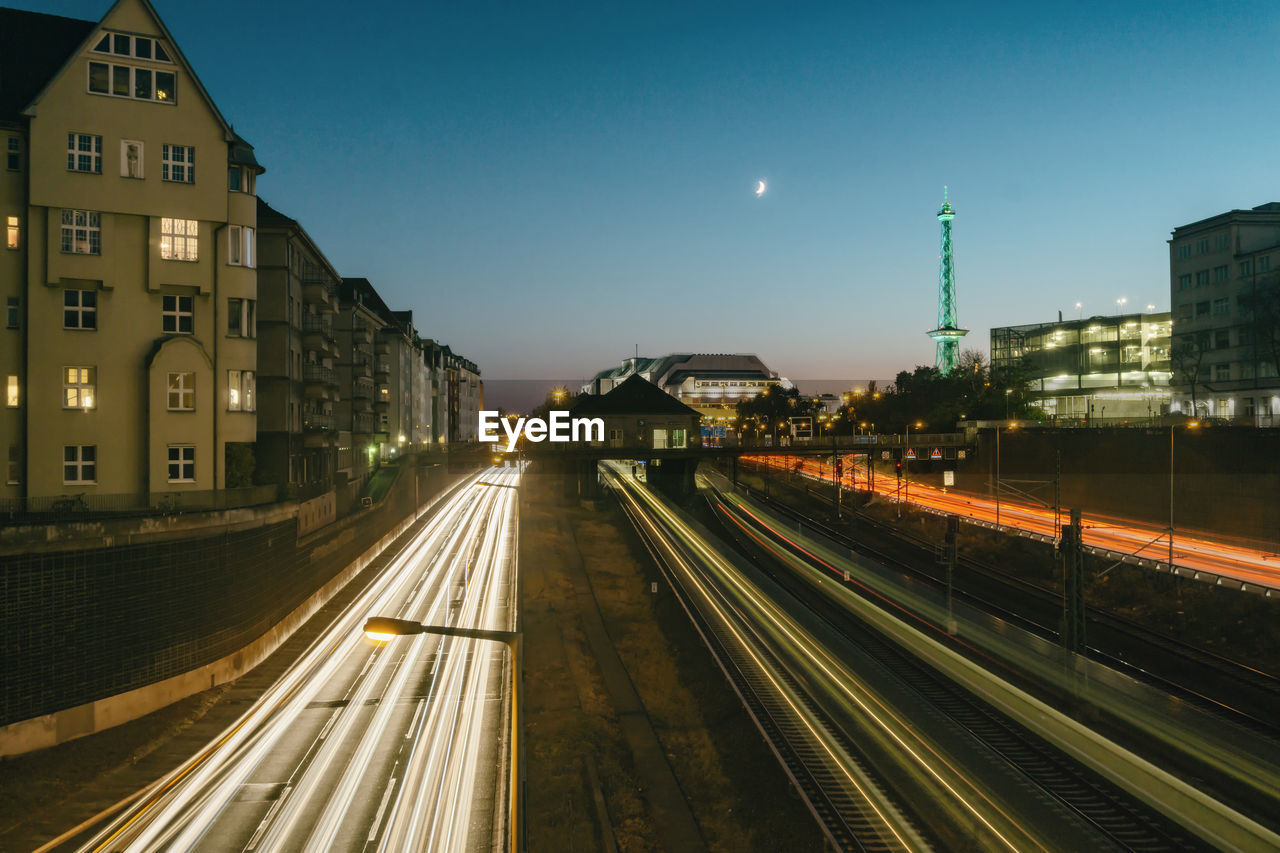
87 506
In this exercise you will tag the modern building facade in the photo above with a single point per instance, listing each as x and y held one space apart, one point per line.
1224 280
128 273
708 382
1095 369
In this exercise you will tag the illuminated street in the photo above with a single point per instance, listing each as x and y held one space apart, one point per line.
398 745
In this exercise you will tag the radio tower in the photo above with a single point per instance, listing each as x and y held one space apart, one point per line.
948 334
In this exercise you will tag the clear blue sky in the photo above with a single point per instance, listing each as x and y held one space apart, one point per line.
546 186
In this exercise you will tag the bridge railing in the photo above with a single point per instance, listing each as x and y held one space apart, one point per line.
857 442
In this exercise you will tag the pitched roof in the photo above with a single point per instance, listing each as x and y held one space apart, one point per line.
636 396
33 47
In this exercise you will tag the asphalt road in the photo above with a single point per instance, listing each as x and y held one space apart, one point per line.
366 745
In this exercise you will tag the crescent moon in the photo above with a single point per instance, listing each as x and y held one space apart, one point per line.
760 188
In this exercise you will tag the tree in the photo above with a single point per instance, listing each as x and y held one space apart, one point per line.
1187 356
1263 307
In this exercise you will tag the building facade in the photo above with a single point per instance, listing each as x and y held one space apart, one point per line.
298 352
128 272
1224 281
357 325
1095 369
712 383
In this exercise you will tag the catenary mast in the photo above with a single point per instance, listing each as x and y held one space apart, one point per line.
948 334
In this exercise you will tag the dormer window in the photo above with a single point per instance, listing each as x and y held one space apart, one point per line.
138 47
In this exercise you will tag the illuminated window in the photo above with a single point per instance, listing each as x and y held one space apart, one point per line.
12 232
241 246
182 463
128 81
179 314
79 386
179 239
241 391
182 392
13 156
12 395
80 309
178 164
84 153
80 463
81 232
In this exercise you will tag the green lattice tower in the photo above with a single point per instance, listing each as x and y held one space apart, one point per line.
947 335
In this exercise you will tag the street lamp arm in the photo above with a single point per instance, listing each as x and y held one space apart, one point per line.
385 626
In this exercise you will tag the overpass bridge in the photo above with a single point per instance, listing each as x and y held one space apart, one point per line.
672 469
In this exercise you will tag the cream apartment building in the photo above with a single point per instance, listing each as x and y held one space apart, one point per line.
129 273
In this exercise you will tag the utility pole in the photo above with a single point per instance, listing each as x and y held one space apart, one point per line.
951 549
835 472
1073 586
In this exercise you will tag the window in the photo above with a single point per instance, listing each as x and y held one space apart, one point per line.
1184 311
12 395
179 239
139 46
1264 264
240 179
1222 240
240 318
82 232
1220 274
1222 339
126 81
182 392
1221 307
241 391
80 309
15 464
1221 372
130 158
84 153
79 385
1202 309
1202 278
1202 246
178 163
1244 336
1184 251
1246 268
13 232
11 307
240 245
13 156
678 439
179 314
182 463
79 463
1184 282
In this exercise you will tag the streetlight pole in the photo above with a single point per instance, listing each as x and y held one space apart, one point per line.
1171 497
997 478
906 468
383 628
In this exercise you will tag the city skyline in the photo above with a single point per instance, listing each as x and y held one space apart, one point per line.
538 185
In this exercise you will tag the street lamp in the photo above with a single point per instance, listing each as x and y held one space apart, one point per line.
906 468
384 628
1080 310
1120 303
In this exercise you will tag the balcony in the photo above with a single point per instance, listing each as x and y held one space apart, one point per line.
382 370
319 382
365 423
317 421
382 346
318 287
317 333
362 389
361 330
362 367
